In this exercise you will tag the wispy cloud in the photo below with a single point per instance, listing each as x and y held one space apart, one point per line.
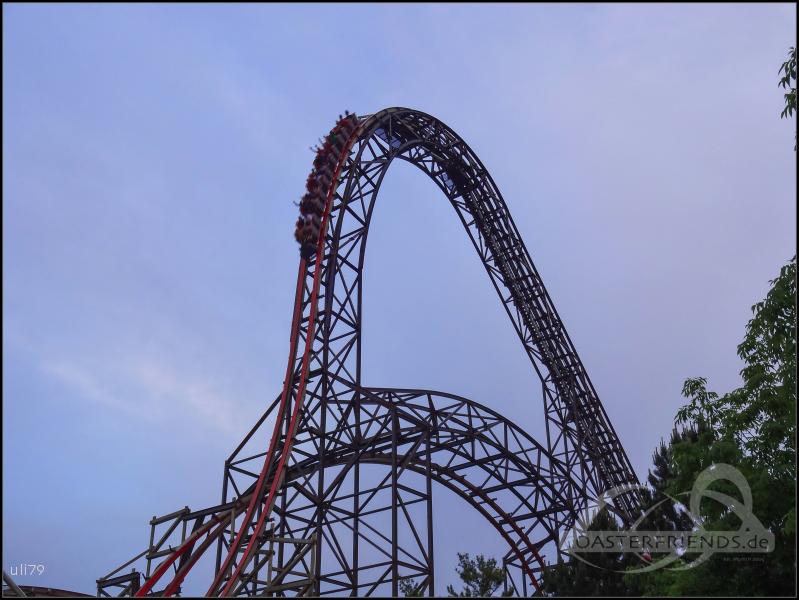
153 391
84 382
193 396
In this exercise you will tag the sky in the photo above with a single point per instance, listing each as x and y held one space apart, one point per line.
151 158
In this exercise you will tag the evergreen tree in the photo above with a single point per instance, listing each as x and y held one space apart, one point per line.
410 589
481 576
589 574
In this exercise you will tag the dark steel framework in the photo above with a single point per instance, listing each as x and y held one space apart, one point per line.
341 502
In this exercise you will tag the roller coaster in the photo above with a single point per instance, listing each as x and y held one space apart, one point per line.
331 492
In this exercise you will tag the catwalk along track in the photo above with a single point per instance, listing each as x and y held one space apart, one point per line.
331 492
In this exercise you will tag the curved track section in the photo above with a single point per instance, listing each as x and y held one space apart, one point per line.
319 418
416 438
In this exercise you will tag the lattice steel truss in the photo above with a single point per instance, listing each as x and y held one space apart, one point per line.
347 480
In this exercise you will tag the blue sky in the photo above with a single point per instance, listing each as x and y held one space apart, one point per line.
152 155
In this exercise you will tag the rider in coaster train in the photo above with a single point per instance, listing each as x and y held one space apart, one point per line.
312 204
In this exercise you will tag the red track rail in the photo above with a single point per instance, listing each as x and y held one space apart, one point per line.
177 553
279 474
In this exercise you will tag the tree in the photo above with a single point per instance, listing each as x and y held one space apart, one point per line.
760 416
410 589
481 577
589 574
666 516
788 69
752 428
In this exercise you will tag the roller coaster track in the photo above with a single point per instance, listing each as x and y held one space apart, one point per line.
344 487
